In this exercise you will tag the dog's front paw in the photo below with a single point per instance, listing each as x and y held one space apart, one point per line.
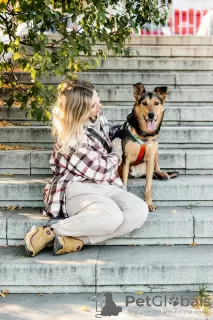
152 208
162 175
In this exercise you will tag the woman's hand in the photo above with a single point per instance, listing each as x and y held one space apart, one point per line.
116 146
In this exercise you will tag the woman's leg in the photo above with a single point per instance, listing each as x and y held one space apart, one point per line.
90 215
135 212
101 217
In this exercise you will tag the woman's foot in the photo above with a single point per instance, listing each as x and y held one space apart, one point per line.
63 244
37 238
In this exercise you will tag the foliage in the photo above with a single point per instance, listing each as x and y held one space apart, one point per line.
34 38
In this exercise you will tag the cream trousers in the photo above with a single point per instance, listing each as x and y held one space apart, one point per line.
100 212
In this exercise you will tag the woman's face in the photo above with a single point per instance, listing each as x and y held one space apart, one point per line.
96 106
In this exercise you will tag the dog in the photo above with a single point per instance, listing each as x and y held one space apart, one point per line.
139 139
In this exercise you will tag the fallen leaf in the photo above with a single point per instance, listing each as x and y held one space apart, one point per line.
193 244
139 292
4 147
85 309
6 174
132 245
41 294
5 123
4 293
16 104
11 207
2 103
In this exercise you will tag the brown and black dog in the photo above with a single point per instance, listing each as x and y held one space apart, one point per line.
139 139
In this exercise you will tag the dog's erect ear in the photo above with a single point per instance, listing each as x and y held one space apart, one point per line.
138 89
162 92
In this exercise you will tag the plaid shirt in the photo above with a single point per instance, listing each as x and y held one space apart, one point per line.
91 163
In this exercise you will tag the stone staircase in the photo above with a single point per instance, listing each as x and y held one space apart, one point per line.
158 257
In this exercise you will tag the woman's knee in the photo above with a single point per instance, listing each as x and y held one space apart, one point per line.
113 221
140 213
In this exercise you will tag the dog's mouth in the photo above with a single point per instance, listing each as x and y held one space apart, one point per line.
151 123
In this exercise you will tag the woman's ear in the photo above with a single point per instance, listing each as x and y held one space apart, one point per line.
138 89
161 91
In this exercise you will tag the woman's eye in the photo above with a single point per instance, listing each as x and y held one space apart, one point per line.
156 103
144 103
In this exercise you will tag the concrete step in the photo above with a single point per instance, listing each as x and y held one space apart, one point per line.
33 162
98 269
35 306
177 116
161 228
171 41
123 96
148 78
161 40
178 51
180 116
37 162
152 64
170 137
185 190
165 51
116 77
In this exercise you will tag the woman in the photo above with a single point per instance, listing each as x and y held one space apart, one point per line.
86 190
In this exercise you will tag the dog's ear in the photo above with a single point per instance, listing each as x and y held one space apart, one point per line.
161 91
138 89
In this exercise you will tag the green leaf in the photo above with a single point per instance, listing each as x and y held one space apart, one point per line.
17 56
33 73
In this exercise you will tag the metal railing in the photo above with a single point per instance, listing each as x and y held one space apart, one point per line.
184 18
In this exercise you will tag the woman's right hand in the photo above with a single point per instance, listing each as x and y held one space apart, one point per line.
116 146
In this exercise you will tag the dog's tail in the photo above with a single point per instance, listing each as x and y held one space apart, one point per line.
173 174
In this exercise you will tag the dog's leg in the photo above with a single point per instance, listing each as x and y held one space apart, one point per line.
150 160
160 174
125 172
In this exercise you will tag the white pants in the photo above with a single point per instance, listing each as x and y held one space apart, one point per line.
100 212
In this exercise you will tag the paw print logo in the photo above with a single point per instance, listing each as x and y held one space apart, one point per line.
173 301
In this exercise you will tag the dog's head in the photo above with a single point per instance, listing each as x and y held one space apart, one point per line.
148 107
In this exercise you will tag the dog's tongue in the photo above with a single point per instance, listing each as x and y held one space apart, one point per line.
151 125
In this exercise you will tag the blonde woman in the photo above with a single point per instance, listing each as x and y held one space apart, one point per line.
86 191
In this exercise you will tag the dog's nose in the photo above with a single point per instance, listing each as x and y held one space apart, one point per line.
151 115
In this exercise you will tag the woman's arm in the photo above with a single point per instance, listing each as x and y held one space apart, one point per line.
93 164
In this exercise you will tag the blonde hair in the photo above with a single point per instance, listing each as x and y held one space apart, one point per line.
72 109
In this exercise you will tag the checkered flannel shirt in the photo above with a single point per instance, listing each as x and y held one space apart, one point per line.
91 162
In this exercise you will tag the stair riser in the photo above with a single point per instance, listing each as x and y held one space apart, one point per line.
192 116
168 229
171 41
174 137
150 268
118 77
37 162
122 95
162 64
175 192
32 162
165 51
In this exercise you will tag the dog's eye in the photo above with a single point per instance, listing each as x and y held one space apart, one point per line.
144 103
156 103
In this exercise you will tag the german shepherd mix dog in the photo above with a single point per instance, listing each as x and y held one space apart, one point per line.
139 139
